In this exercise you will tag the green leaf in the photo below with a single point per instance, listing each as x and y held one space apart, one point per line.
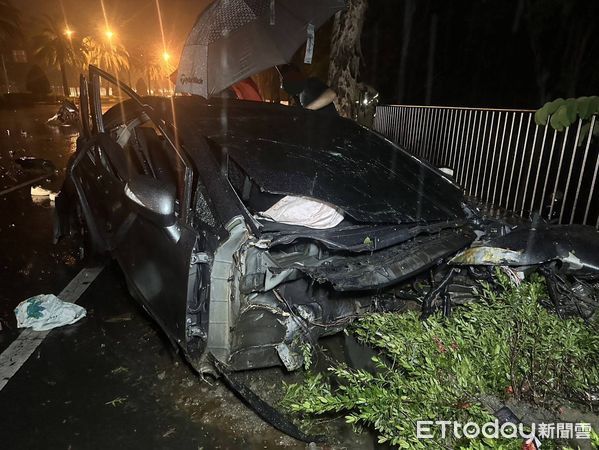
584 107
559 120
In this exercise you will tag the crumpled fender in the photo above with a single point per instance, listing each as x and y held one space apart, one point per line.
575 246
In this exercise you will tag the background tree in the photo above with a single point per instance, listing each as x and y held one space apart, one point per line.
10 27
346 53
141 87
10 21
106 54
37 82
158 70
54 47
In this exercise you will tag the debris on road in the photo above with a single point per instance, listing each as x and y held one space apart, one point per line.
38 191
117 401
46 312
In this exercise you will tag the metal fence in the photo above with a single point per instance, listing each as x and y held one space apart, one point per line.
503 159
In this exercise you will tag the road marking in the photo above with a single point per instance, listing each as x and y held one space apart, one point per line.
19 351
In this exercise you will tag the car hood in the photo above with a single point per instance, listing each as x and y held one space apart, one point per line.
292 151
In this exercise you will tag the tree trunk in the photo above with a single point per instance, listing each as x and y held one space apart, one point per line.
65 81
344 66
408 16
431 59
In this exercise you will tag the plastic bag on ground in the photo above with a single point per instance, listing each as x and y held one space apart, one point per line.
46 311
304 211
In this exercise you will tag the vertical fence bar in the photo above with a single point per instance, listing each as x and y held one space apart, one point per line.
467 145
468 159
394 136
417 126
507 159
511 182
532 153
427 136
450 130
460 153
434 139
522 162
461 128
565 197
443 136
488 196
413 127
505 119
559 172
431 136
454 132
408 127
547 172
402 125
427 120
480 159
420 123
455 144
534 189
473 154
584 163
439 138
592 191
482 188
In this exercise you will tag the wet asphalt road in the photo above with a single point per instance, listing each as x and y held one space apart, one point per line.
111 380
30 264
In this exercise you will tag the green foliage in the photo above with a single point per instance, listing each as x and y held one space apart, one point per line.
562 113
439 369
307 352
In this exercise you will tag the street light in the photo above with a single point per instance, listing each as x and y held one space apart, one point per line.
166 56
68 33
109 34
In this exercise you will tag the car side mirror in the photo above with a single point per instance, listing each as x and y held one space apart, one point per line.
152 199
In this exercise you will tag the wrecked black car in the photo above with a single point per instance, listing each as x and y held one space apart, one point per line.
184 193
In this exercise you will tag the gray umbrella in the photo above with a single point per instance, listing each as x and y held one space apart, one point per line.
234 39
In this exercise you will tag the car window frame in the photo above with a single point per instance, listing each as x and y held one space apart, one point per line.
94 106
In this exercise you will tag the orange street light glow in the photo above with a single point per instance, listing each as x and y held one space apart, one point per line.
166 56
109 34
69 33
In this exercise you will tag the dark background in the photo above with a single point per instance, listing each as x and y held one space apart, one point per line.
499 53
487 53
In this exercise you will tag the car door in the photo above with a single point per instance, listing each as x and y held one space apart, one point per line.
155 258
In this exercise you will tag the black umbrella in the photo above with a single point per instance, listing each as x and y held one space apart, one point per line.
234 39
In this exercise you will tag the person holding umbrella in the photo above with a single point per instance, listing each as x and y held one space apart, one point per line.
235 39
309 92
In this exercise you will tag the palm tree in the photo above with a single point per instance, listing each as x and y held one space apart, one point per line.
152 65
10 21
54 46
10 26
158 70
107 55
